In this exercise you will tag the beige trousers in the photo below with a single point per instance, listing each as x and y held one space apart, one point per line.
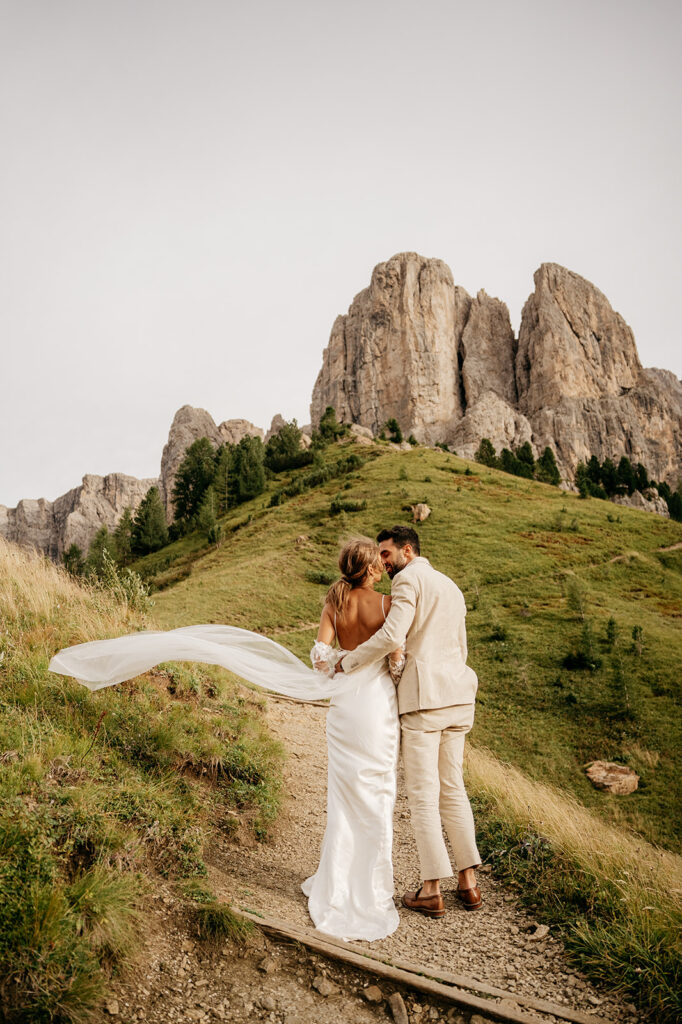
433 748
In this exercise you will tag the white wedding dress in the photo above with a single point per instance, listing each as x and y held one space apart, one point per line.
351 894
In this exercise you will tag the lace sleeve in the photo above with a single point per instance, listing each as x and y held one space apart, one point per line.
396 663
324 657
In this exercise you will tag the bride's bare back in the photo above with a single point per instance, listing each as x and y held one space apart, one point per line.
362 616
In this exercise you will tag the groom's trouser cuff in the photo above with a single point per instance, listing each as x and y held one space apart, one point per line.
433 749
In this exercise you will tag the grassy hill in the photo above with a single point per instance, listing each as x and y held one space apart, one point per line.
101 792
575 631
542 572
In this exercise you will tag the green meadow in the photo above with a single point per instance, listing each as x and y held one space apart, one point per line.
543 573
575 630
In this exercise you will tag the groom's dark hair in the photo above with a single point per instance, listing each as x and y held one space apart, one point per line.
400 535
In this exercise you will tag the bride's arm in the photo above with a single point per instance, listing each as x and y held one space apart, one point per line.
325 639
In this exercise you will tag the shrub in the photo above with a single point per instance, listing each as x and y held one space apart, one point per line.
341 504
283 450
394 431
125 585
321 577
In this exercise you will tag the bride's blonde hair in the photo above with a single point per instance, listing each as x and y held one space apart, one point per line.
357 557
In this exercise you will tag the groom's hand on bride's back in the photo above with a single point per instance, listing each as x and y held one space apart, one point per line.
338 667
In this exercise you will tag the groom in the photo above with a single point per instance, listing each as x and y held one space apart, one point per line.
436 703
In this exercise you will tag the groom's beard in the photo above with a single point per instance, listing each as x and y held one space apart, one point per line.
393 568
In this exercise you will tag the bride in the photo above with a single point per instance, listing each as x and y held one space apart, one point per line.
351 893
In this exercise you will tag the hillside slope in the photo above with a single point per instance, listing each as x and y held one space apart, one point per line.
542 571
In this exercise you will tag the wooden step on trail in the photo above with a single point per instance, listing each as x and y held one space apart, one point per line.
454 988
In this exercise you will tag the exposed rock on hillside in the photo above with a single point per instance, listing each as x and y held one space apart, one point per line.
417 347
74 517
189 424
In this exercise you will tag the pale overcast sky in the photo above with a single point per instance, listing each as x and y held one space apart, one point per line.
192 190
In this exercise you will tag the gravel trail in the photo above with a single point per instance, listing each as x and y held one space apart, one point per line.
491 945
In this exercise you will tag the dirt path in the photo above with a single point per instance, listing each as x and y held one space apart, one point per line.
492 945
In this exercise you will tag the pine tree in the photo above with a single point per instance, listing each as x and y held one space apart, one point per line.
609 477
149 531
641 477
594 469
73 560
123 537
485 453
675 506
626 475
207 517
330 428
195 474
547 469
224 463
101 542
249 470
525 454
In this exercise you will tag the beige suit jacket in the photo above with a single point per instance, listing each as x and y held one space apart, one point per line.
427 612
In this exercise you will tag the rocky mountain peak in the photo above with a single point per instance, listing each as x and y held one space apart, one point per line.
417 347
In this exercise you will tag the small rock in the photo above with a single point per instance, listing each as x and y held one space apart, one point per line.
324 986
187 946
541 932
595 1000
477 1019
616 778
433 1013
397 1005
267 965
509 899
373 994
112 1007
268 1003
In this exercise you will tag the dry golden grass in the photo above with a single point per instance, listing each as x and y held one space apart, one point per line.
644 875
35 594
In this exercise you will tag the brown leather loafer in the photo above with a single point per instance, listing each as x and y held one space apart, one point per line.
430 906
470 898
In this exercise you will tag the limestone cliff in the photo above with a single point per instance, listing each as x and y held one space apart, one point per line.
189 424
582 386
417 347
74 517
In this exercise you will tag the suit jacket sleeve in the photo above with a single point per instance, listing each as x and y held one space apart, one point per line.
393 631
